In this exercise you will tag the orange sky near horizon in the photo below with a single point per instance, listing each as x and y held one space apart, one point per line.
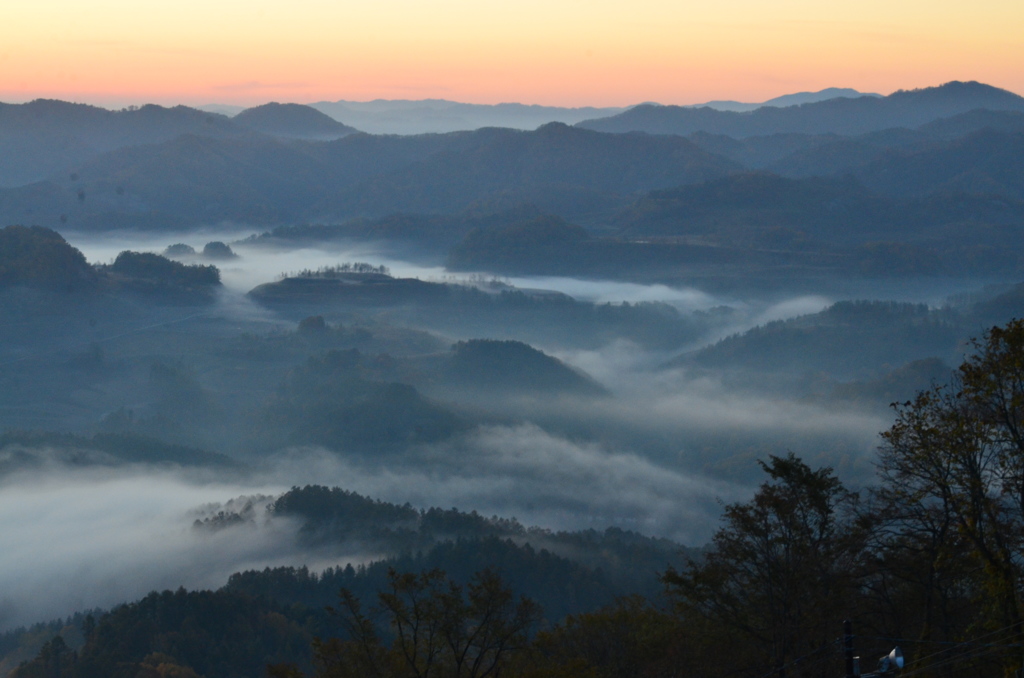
558 52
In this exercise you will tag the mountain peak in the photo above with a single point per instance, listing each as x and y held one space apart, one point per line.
554 128
292 120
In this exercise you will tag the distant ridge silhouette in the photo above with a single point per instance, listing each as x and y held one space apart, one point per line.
905 108
794 99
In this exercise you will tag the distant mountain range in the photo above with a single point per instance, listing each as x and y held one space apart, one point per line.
848 116
45 137
440 116
425 116
796 99
898 183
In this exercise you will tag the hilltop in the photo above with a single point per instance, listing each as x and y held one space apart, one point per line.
293 121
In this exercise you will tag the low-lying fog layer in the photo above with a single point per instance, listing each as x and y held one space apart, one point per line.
257 265
676 401
76 539
541 479
79 539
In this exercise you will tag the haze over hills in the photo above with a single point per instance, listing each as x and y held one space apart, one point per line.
570 171
439 116
423 116
44 137
193 180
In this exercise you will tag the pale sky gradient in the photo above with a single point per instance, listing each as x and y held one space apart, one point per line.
557 52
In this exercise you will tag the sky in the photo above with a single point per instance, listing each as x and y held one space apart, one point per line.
552 52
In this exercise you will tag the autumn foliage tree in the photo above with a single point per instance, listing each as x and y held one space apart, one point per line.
778 575
956 452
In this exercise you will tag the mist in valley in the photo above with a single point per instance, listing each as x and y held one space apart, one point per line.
85 538
655 447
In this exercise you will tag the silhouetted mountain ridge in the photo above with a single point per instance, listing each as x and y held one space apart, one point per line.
848 116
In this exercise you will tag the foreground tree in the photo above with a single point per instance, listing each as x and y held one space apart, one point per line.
631 638
778 576
955 458
437 629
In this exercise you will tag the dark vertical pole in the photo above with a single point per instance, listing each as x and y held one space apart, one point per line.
848 647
